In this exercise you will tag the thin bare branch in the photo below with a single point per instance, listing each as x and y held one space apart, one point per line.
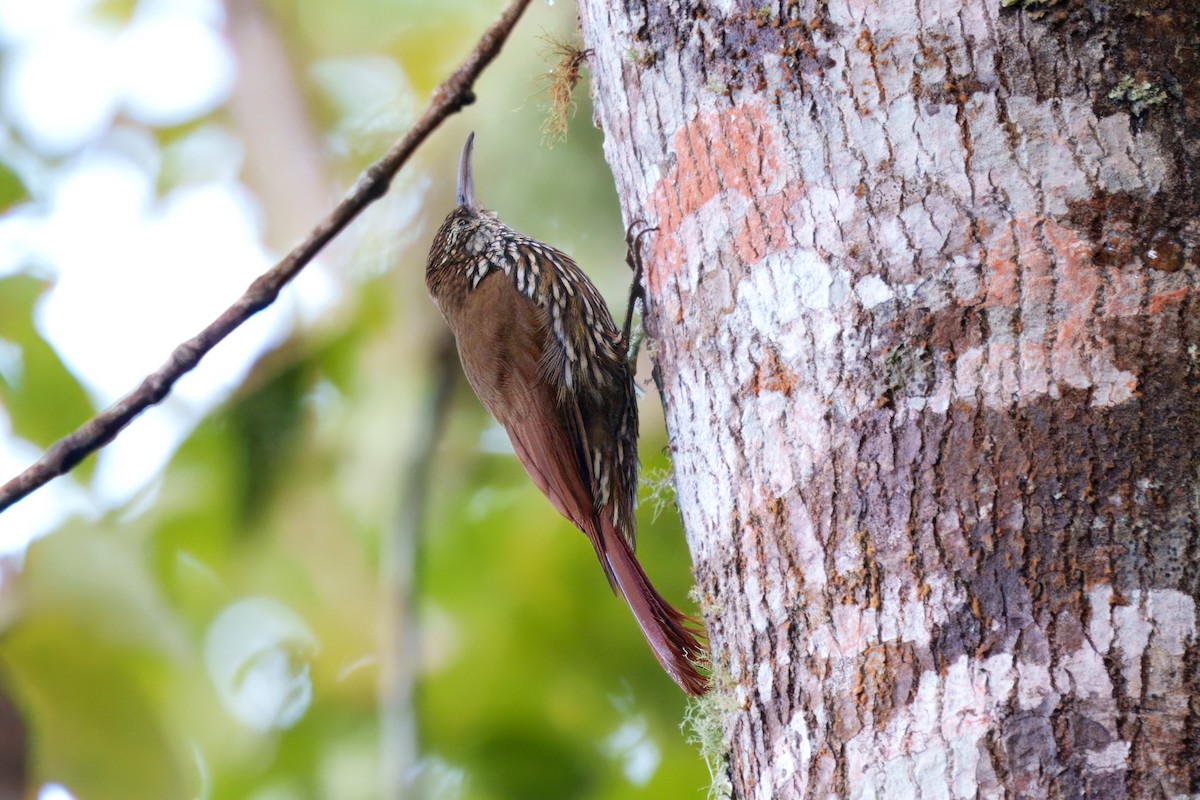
450 97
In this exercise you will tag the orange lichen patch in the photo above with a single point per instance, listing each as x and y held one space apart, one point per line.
1068 358
668 253
1059 267
715 153
1079 356
1160 300
1056 267
1047 273
863 42
753 239
734 153
1002 274
772 375
1078 279
1009 245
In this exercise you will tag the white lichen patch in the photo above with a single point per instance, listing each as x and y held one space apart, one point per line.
1113 757
873 290
810 553
766 682
933 746
760 422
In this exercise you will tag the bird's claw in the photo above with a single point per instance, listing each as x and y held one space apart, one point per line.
633 257
633 243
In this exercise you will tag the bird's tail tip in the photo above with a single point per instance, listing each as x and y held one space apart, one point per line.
677 640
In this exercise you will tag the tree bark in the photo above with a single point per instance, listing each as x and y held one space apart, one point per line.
923 307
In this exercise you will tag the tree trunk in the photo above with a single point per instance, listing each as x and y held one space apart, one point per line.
923 303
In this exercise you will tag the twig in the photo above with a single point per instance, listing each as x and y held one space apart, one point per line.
450 97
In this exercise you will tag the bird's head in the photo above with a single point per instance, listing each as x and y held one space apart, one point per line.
469 235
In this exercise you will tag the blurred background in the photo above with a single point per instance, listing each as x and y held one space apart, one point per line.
316 570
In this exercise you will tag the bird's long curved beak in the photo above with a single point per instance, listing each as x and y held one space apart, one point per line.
466 181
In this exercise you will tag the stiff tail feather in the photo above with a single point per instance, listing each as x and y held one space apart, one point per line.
674 637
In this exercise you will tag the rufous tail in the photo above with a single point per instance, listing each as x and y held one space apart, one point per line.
674 637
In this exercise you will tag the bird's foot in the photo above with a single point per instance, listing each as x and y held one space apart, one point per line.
633 257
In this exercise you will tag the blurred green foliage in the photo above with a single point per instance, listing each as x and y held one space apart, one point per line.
532 680
36 391
12 188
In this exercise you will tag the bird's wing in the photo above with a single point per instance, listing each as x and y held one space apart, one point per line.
502 358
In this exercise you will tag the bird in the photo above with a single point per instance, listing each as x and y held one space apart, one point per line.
542 353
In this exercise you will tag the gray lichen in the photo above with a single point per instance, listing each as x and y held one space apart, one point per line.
705 722
1137 95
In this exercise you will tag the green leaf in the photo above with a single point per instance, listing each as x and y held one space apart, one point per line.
12 188
42 398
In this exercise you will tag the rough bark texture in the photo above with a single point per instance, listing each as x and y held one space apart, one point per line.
925 315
